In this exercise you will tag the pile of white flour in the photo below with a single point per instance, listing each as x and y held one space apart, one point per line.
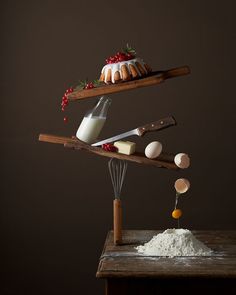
174 242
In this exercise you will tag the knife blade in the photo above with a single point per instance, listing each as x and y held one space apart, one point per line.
140 131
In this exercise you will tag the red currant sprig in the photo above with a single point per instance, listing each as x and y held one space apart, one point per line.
85 85
89 85
109 147
65 101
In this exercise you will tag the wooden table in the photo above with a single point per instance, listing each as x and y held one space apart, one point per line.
127 272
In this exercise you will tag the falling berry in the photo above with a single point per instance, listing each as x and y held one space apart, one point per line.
65 119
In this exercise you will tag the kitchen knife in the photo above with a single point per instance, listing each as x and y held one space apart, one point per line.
140 131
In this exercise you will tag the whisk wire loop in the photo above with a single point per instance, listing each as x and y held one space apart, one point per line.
117 169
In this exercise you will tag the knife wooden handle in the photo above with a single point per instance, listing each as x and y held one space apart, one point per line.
157 125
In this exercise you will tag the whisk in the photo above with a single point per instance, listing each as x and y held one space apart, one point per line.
117 169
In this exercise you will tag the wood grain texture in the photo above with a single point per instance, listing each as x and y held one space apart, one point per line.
154 79
163 161
123 261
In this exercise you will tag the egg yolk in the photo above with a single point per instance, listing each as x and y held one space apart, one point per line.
177 213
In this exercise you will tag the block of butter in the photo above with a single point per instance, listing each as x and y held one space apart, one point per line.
125 147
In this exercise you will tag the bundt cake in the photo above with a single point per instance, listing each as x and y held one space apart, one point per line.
124 66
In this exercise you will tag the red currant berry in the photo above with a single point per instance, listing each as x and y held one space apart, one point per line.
65 119
69 90
130 56
109 147
89 85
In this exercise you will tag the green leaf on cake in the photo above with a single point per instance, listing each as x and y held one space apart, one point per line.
129 49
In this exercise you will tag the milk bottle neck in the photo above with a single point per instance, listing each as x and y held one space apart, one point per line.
101 108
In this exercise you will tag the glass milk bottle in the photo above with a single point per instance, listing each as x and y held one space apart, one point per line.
93 121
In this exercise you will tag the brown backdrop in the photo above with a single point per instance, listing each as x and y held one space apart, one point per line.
56 204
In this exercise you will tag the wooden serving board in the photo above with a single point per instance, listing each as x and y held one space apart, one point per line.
154 78
163 161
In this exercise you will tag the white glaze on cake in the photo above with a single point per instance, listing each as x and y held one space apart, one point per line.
116 67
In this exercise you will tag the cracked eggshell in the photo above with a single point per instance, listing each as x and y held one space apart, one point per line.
182 185
182 160
153 150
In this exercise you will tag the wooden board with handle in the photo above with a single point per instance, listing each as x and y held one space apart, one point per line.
163 161
153 79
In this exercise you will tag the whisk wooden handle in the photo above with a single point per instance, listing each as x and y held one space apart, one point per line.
117 221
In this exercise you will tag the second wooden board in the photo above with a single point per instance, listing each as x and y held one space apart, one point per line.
163 161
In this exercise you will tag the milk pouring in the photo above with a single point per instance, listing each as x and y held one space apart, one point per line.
94 121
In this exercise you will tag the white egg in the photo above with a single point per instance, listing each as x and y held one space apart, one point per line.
182 160
182 185
153 149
